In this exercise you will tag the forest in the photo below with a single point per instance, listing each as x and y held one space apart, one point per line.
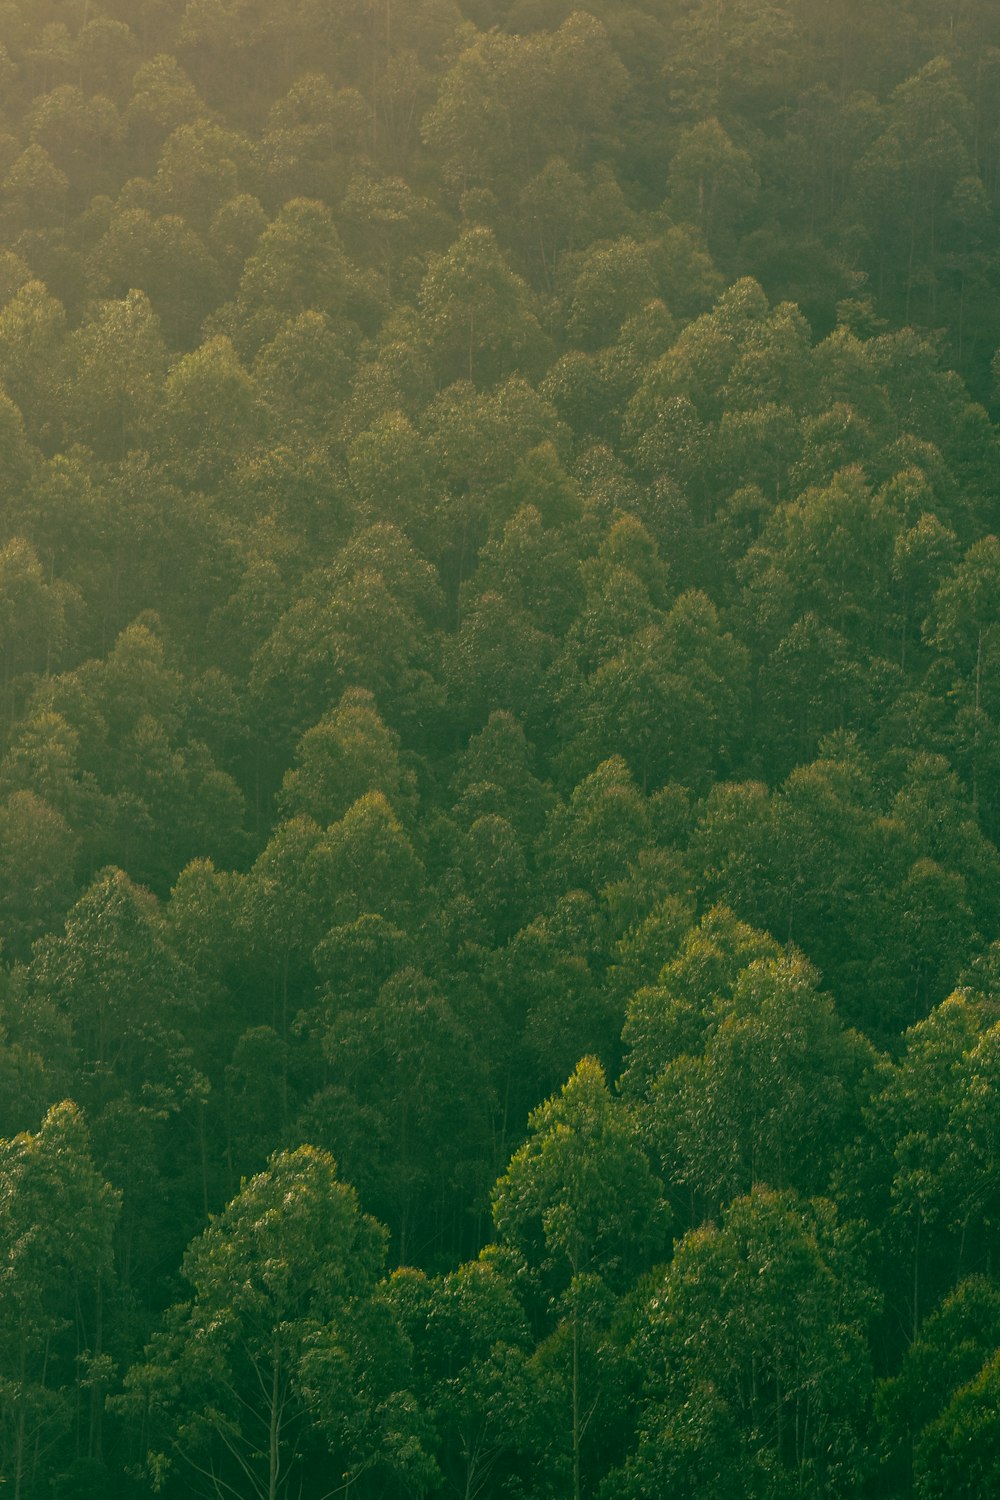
499 749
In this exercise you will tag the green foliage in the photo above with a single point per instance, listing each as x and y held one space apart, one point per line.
56 1230
931 1411
755 1348
579 1199
273 1337
497 566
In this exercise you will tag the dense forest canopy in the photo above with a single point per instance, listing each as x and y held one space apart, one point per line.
499 749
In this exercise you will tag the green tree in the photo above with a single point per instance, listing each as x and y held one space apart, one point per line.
473 1374
775 1097
281 915
579 1197
928 1403
313 138
933 1179
81 135
415 1096
166 259
38 853
592 839
163 99
56 1227
309 361
348 753
963 627
905 184
758 1374
553 1000
713 183
298 265
367 621
957 1454
117 366
210 414
497 773
508 103
32 334
675 1016
198 168
611 284
478 315
673 702
32 619
580 1205
260 1379
33 192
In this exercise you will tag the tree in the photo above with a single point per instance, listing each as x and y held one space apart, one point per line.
594 838
496 662
924 1410
905 184
32 619
495 867
33 192
775 1097
413 1092
496 773
823 844
371 865
312 139
56 1224
259 1381
32 335
299 265
672 702
81 136
473 1375
579 1197
198 168
934 1180
758 1375
675 1016
210 414
477 314
38 852
508 103
109 54
163 98
117 360
957 1455
390 225
739 57
166 259
388 466
127 712
553 1000
309 362
610 286
963 627
365 622
126 1005
281 914
828 552
348 753
531 562
579 1204
712 182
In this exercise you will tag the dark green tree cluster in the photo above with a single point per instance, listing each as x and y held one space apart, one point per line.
499 749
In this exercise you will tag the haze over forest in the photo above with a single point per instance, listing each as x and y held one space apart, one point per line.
499 749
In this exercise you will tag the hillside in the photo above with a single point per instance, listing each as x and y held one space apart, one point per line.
499 749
